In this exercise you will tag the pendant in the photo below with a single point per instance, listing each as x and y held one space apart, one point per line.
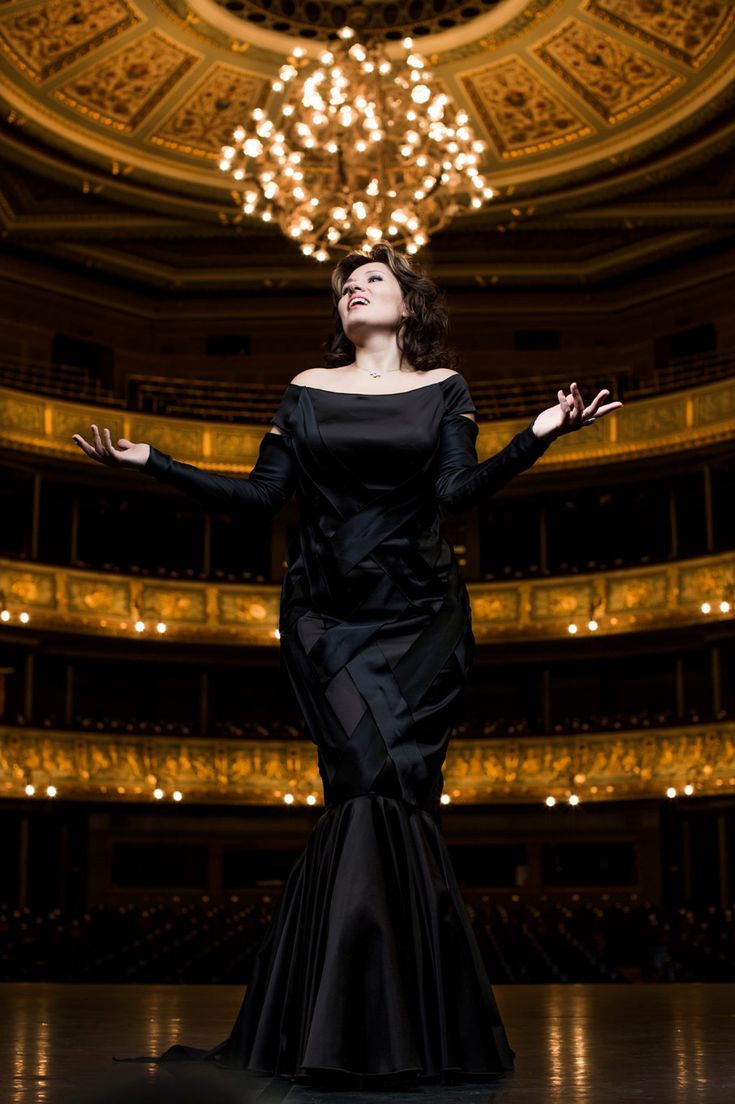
375 375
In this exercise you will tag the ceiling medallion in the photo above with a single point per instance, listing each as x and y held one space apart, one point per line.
390 20
358 149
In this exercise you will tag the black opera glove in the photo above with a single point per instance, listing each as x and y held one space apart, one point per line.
462 483
268 487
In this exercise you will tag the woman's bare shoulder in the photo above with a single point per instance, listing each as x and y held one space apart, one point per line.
311 375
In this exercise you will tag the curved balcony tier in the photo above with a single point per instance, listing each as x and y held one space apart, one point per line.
600 766
654 597
669 423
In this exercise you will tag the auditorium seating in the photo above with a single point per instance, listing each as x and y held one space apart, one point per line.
63 381
540 940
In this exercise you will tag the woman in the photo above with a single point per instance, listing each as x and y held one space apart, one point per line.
370 975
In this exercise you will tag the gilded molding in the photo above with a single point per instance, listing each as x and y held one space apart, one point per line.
600 766
679 422
659 596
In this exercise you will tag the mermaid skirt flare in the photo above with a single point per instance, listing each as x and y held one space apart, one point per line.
369 971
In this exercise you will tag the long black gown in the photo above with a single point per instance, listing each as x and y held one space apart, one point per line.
369 971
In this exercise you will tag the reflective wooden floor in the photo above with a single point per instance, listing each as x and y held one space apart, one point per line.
574 1043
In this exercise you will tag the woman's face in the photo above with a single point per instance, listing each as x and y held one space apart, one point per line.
371 300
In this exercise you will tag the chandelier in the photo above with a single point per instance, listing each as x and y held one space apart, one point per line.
357 149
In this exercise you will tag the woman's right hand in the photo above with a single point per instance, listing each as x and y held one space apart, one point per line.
126 455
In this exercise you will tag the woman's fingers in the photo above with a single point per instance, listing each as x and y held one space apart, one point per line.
564 405
98 441
577 398
84 445
101 450
111 450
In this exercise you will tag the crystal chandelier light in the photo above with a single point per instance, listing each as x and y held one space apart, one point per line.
357 149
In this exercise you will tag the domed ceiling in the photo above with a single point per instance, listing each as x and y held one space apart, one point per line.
579 101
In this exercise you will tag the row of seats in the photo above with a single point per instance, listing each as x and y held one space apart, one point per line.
277 729
64 381
593 722
240 401
532 941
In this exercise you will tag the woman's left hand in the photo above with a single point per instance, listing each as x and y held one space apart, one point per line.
570 413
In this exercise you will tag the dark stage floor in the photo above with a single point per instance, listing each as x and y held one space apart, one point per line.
574 1043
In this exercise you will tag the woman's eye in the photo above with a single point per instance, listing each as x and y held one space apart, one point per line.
375 276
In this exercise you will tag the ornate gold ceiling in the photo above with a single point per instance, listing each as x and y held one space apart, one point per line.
570 94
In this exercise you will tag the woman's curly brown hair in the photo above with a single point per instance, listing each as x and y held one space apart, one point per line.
422 336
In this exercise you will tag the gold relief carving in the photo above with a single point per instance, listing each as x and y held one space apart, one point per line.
238 606
714 405
174 604
496 604
562 600
123 89
46 38
638 592
67 419
236 447
614 79
21 416
35 586
207 118
652 418
707 581
182 442
686 30
96 595
494 436
521 113
105 603
599 766
534 12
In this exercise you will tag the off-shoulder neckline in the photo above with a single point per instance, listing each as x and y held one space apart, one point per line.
381 395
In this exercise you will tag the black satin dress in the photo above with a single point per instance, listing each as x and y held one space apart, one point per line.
370 974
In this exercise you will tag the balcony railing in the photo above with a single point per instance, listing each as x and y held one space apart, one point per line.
238 401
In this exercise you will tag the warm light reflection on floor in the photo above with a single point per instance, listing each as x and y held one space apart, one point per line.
575 1044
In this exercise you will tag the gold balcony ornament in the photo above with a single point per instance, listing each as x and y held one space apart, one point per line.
358 149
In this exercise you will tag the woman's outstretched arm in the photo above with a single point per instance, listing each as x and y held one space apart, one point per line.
268 487
462 483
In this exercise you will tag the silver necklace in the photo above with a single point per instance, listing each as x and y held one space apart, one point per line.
377 375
